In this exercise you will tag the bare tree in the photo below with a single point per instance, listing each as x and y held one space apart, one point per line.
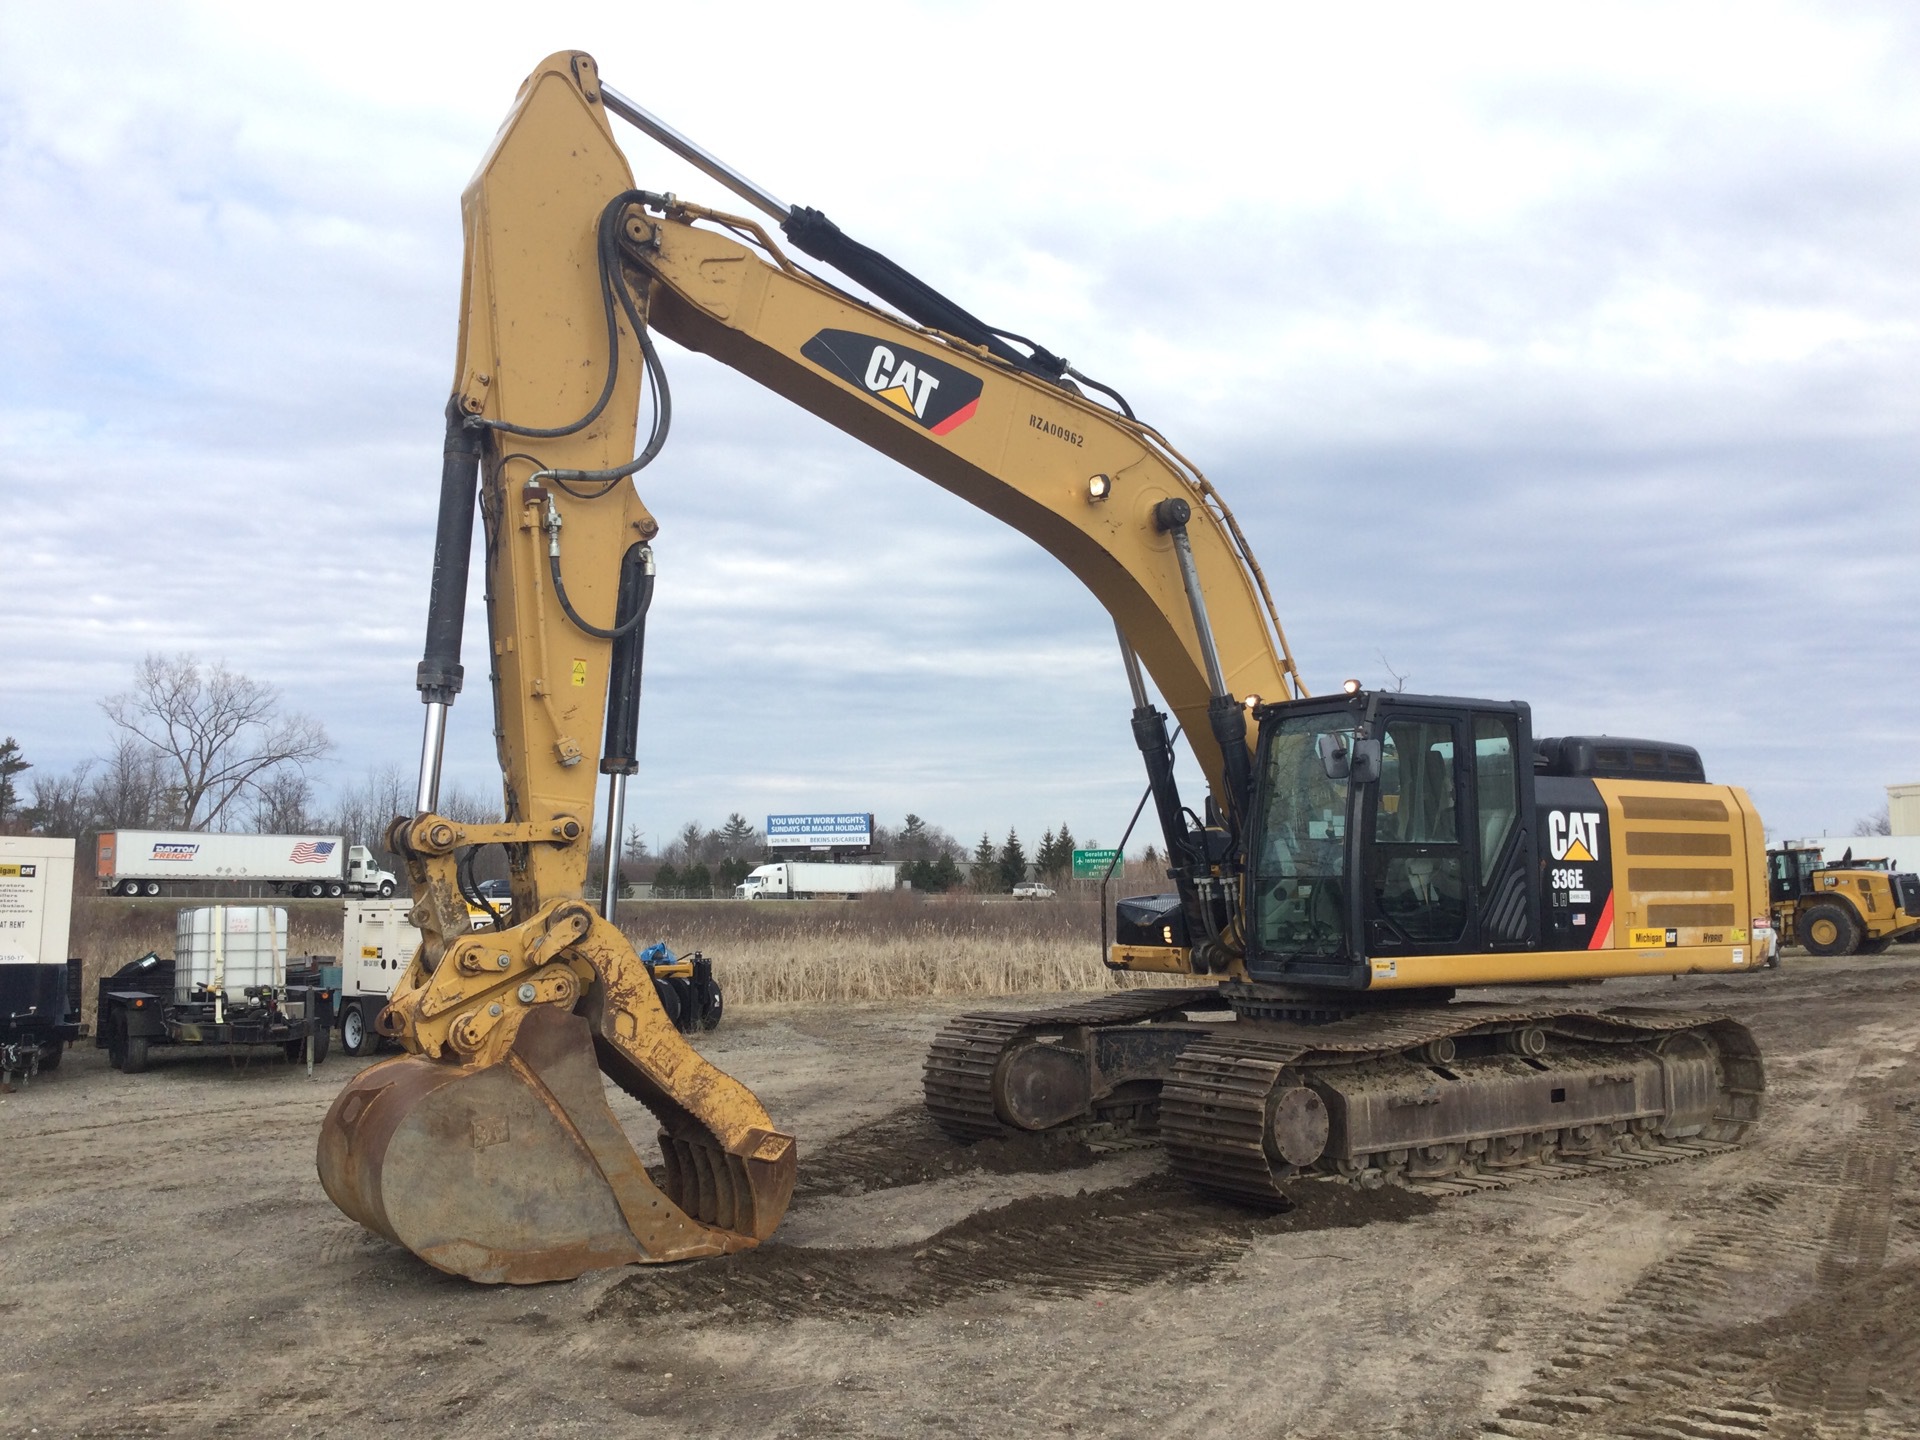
219 735
1878 823
467 809
283 804
131 792
363 811
63 804
691 844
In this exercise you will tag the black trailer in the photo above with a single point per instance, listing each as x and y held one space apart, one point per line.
140 1009
39 1014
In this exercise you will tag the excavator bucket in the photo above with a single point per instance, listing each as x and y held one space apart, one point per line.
510 1166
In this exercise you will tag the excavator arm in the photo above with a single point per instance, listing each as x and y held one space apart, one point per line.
489 1148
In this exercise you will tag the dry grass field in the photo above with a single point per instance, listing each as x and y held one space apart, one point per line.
881 948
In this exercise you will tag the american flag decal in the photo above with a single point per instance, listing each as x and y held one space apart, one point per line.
312 852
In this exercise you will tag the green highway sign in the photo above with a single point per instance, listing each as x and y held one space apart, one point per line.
1092 864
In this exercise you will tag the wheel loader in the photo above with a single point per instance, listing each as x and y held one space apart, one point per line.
1361 865
1852 907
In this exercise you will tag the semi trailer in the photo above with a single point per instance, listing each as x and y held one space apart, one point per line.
152 862
798 880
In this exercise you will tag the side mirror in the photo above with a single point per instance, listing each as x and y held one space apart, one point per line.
1364 767
1336 757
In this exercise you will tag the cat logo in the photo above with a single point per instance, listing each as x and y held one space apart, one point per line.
923 388
1573 835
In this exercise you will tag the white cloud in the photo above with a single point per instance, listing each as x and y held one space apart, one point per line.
1560 354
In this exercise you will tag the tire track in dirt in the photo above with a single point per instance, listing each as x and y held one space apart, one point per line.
907 1148
1048 1246
1671 1358
1836 1395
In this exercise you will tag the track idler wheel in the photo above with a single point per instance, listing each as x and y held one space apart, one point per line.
517 1172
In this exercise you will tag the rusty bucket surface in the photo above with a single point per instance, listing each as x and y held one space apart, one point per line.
515 1172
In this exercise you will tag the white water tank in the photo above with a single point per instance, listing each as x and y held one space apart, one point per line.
229 947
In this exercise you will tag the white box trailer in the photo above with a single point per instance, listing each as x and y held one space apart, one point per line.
799 880
39 986
147 862
377 943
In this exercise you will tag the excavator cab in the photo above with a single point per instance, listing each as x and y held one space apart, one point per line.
1387 825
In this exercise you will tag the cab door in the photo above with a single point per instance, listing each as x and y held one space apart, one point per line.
1790 874
1419 872
1500 761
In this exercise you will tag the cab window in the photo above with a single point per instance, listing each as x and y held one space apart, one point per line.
1417 866
1496 785
1299 853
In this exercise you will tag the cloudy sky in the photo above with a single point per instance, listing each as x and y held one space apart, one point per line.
1562 354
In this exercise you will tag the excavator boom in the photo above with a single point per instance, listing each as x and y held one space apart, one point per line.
488 1147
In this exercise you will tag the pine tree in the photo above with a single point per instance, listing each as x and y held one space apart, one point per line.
1013 862
696 882
666 882
1055 861
985 869
945 875
739 834
12 762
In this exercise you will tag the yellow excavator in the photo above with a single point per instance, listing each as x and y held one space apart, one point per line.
1358 857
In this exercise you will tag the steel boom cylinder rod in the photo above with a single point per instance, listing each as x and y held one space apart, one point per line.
1171 516
695 155
610 866
426 796
1135 681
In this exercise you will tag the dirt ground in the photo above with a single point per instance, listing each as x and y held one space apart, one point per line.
170 1266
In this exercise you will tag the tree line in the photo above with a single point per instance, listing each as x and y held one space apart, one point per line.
196 746
700 863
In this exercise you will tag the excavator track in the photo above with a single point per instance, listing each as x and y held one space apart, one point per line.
1443 1099
964 1069
1447 1102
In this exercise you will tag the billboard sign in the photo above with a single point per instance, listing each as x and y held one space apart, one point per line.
819 832
1092 864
